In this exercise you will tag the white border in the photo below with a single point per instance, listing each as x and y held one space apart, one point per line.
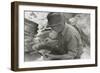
33 64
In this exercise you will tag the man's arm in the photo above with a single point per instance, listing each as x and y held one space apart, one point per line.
73 47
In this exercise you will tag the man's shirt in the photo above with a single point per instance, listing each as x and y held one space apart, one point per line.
70 42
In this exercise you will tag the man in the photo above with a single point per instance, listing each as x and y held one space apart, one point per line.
68 37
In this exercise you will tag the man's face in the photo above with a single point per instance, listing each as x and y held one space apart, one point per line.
58 26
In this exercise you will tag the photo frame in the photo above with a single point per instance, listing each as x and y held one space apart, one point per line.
29 22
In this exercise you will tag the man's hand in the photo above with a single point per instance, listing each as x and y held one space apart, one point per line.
53 57
58 57
49 57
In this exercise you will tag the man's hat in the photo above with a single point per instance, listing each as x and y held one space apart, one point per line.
54 18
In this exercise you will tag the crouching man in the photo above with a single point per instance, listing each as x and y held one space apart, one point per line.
68 37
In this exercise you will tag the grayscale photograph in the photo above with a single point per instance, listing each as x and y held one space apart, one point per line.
56 36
